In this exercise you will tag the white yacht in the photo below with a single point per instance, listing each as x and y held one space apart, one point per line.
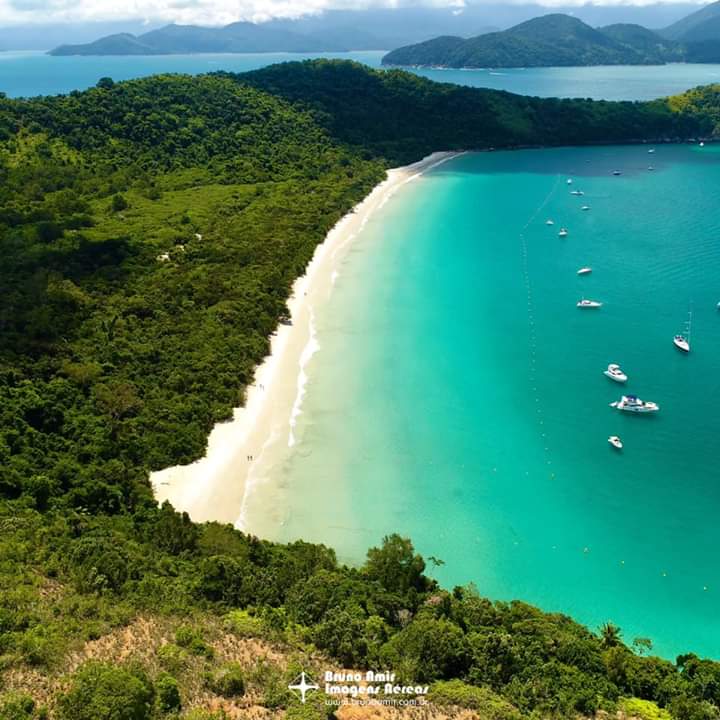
584 271
563 232
615 373
585 207
682 342
589 303
632 403
579 193
549 222
616 173
569 181
651 150
616 442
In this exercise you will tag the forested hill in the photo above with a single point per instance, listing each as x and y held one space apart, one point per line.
150 232
552 40
400 116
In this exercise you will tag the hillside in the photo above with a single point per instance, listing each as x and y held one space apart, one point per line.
696 26
653 48
550 40
150 232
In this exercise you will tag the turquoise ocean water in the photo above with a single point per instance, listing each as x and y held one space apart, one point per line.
458 396
34 73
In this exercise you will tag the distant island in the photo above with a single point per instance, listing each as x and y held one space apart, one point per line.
238 37
562 40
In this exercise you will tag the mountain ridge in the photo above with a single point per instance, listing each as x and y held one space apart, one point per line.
233 38
555 39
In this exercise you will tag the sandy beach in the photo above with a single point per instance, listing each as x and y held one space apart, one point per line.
217 486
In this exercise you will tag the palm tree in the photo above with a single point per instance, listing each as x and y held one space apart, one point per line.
610 634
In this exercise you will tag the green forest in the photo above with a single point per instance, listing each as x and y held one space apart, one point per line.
555 40
150 232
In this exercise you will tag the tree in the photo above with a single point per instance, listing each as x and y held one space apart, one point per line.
175 532
108 692
610 635
342 635
428 650
396 566
642 645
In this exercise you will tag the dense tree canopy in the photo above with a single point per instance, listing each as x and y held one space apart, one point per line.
150 232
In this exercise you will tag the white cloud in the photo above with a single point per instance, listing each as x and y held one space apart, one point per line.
214 12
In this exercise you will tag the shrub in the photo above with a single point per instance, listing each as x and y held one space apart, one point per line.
243 624
488 704
643 709
119 203
168 695
172 657
228 681
191 639
17 706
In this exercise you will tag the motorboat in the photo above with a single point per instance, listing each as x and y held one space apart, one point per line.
563 232
616 442
584 271
585 207
577 192
569 181
589 304
651 150
616 173
632 403
615 373
549 222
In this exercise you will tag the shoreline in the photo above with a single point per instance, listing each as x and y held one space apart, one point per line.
217 486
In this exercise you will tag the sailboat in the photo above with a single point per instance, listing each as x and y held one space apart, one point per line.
682 342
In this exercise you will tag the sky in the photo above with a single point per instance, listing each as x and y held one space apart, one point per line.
215 12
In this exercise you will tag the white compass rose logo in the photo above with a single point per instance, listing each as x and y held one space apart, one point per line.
303 684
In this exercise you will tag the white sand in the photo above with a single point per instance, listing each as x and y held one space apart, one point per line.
216 487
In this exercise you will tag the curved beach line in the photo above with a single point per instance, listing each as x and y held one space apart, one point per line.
309 350
217 486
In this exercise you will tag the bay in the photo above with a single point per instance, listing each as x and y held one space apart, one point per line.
458 396
24 74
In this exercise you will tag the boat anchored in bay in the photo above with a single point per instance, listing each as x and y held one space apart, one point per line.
615 373
616 442
632 403
589 303
682 342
